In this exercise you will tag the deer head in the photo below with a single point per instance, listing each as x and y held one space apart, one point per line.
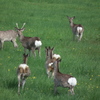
20 30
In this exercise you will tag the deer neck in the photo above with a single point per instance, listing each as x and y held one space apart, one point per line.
56 69
71 23
21 37
49 55
25 60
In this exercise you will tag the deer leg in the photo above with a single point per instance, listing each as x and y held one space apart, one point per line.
14 42
80 36
19 79
34 54
55 89
39 52
72 91
2 42
33 51
0 45
23 83
76 36
48 73
52 74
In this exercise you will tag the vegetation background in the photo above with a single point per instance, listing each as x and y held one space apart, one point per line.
47 20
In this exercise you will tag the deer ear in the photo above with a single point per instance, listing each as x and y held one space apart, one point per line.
53 48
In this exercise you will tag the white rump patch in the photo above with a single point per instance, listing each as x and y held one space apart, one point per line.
56 56
79 29
38 43
72 81
23 66
50 64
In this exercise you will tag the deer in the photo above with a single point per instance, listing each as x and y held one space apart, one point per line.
29 43
50 58
77 29
9 35
23 72
63 80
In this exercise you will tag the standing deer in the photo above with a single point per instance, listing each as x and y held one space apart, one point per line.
9 35
49 68
30 43
50 58
63 80
23 72
77 29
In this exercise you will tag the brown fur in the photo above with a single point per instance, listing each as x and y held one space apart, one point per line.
50 68
25 58
21 70
28 42
74 29
60 79
49 59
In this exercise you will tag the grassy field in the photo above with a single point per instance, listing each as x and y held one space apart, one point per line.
47 20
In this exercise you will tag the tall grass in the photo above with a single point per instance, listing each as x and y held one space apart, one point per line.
47 20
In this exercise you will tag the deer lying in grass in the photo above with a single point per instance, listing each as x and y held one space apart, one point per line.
9 35
50 58
30 43
23 72
77 29
63 80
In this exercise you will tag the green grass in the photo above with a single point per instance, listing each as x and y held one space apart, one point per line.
47 20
